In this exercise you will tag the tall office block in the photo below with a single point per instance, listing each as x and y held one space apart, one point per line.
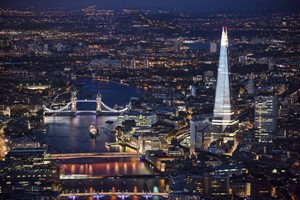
213 47
223 123
265 118
199 127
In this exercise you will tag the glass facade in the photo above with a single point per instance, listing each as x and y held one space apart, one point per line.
265 117
223 123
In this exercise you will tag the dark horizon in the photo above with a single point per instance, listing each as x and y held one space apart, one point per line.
193 6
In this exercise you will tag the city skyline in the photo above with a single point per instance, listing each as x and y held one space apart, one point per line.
139 103
193 6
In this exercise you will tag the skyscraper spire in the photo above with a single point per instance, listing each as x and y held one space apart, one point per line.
223 123
224 38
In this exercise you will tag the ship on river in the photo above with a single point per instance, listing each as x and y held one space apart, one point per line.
93 130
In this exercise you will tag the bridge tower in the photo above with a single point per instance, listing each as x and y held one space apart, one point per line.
98 101
73 104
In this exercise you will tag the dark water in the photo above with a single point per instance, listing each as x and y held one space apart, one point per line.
69 134
112 93
112 168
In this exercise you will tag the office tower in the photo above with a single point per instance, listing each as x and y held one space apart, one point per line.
146 63
45 50
193 90
250 85
265 118
213 47
198 128
223 123
270 64
133 64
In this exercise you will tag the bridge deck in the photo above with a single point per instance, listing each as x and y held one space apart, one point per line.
120 194
94 155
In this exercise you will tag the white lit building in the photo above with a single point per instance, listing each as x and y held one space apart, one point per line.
224 124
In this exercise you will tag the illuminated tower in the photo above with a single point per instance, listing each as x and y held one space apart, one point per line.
223 123
73 104
98 106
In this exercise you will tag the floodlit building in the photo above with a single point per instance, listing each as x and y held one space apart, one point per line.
143 119
224 124
148 141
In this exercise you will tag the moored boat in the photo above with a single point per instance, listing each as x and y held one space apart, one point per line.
93 129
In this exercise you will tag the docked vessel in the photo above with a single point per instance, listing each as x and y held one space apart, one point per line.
109 122
93 129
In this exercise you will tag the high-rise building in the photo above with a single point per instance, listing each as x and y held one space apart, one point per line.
198 128
250 85
271 64
146 63
224 124
193 90
213 47
265 118
133 64
45 50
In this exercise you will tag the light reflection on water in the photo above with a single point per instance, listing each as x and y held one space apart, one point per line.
118 168
71 134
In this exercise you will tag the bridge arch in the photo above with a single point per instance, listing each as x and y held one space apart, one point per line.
71 107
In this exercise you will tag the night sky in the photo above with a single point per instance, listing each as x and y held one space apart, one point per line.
194 6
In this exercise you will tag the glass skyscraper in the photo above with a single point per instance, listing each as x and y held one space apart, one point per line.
265 118
223 123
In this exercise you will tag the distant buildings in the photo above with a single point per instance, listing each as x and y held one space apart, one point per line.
144 119
199 186
265 118
223 123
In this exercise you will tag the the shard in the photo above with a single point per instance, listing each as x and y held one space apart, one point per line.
223 123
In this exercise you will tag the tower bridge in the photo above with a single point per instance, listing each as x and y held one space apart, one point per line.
71 107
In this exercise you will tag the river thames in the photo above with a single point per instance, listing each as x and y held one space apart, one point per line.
70 134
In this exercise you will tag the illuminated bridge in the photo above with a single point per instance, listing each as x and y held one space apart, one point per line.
94 155
121 195
71 107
